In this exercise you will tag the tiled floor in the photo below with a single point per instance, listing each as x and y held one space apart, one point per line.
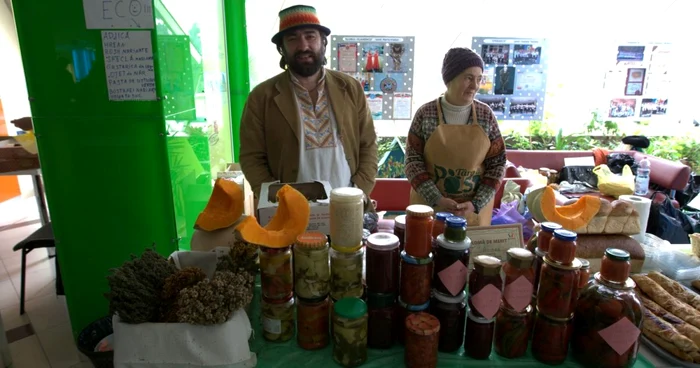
42 337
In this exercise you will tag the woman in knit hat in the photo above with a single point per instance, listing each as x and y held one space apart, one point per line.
455 155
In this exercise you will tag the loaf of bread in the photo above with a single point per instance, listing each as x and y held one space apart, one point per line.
688 330
676 289
592 248
667 301
618 217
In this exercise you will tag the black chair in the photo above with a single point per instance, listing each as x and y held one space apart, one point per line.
42 238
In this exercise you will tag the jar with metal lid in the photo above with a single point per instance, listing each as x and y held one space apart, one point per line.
485 287
312 323
545 235
562 248
520 277
585 273
558 291
278 318
451 265
615 266
381 309
403 311
350 332
512 332
456 229
419 230
276 272
422 335
451 311
440 223
416 274
478 336
346 216
550 338
346 272
312 271
400 230
383 257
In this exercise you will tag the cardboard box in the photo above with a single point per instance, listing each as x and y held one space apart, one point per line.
234 172
318 193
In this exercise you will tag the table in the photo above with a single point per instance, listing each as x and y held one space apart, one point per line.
38 191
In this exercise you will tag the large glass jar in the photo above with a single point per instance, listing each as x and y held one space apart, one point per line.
278 318
382 320
512 332
312 323
545 235
276 273
585 273
485 287
346 216
558 291
419 230
383 257
312 271
451 265
451 311
456 229
400 230
520 277
478 336
562 248
550 339
404 310
422 335
346 272
604 309
350 332
416 274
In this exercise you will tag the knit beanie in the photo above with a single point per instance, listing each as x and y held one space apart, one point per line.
457 60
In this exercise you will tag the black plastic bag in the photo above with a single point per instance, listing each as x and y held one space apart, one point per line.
691 191
579 174
668 222
617 161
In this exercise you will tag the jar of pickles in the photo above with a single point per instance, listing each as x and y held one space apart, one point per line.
350 332
422 335
550 339
520 276
585 273
404 310
558 291
512 332
312 272
456 229
276 272
416 274
451 265
419 230
383 257
312 323
278 318
382 320
346 272
562 248
346 216
478 336
451 311
485 287
400 230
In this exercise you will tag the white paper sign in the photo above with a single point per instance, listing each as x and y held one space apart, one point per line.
129 65
402 105
119 14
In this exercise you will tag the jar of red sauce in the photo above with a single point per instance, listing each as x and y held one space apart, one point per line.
313 320
615 266
382 319
512 332
440 223
478 336
402 312
562 248
550 339
382 263
558 291
537 265
451 311
400 230
585 273
485 287
419 230
519 280
422 336
545 235
416 277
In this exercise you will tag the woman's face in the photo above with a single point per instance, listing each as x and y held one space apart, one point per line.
463 87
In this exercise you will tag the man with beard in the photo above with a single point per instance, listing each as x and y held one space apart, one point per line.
307 123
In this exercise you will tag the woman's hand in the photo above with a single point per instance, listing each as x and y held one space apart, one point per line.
465 209
448 205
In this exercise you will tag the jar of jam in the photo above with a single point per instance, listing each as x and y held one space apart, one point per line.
404 310
278 318
416 275
562 248
520 277
485 287
347 216
545 235
346 272
550 339
383 257
585 273
400 230
350 332
558 291
451 311
312 323
419 230
456 229
451 265
312 272
478 336
422 335
382 320
615 266
537 264
512 332
440 223
276 272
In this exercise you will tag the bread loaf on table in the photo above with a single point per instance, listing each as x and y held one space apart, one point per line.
618 217
592 248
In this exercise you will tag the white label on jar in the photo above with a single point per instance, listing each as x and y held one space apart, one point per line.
273 326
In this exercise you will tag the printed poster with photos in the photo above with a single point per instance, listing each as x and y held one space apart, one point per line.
638 83
515 76
384 67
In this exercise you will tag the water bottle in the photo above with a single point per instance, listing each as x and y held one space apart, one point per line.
641 182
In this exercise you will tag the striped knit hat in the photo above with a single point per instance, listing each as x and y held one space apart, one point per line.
458 60
296 17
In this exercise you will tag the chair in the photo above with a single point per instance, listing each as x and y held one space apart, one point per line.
42 238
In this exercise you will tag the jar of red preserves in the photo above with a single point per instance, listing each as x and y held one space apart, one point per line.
585 273
451 265
615 266
403 311
512 332
550 339
419 230
537 264
562 248
422 335
545 235
485 287
520 277
440 223
558 291
276 272
451 311
416 274
400 230
382 265
381 309
312 323
478 336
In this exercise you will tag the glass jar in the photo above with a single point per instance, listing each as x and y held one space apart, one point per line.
512 332
440 223
451 311
545 235
346 272
532 242
276 273
278 318
478 336
350 332
520 277
562 248
615 266
312 323
346 216
400 230
456 229
451 265
312 271
539 260
419 230
382 320
485 287
403 311
558 291
550 339
422 335
416 274
383 257
585 273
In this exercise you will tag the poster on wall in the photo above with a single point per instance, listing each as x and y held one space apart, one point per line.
129 65
515 78
118 14
384 67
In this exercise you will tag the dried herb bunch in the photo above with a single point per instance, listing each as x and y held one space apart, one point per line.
242 256
212 301
184 278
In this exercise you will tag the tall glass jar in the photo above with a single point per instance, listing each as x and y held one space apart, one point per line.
520 276
451 265
558 291
278 318
400 230
512 332
276 273
350 332
416 274
422 335
312 323
347 216
382 320
550 338
478 336
485 287
562 248
383 257
419 230
604 308
451 311
346 272
312 271
404 310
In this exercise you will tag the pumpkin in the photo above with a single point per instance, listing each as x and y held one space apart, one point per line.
533 203
290 220
573 216
224 208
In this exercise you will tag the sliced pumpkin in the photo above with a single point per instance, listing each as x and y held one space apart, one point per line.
224 208
573 216
290 220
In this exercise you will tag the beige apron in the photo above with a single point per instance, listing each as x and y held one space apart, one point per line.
454 158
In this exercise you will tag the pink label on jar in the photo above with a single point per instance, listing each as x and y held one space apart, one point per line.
487 301
454 277
518 293
620 335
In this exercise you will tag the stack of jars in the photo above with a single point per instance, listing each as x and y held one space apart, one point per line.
544 236
383 257
276 275
485 293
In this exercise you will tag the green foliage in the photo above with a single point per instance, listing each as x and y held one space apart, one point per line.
683 149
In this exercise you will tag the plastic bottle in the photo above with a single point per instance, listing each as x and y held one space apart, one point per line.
641 182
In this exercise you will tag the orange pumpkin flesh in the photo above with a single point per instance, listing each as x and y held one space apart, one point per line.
573 216
224 208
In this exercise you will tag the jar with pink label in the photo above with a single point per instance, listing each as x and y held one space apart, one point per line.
520 279
485 287
451 265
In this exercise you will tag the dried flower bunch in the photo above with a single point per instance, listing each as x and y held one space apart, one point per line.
243 256
184 278
212 301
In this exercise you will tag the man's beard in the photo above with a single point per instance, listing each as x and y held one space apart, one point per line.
305 69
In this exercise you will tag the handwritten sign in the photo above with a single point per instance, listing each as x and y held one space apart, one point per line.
494 240
118 14
129 65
